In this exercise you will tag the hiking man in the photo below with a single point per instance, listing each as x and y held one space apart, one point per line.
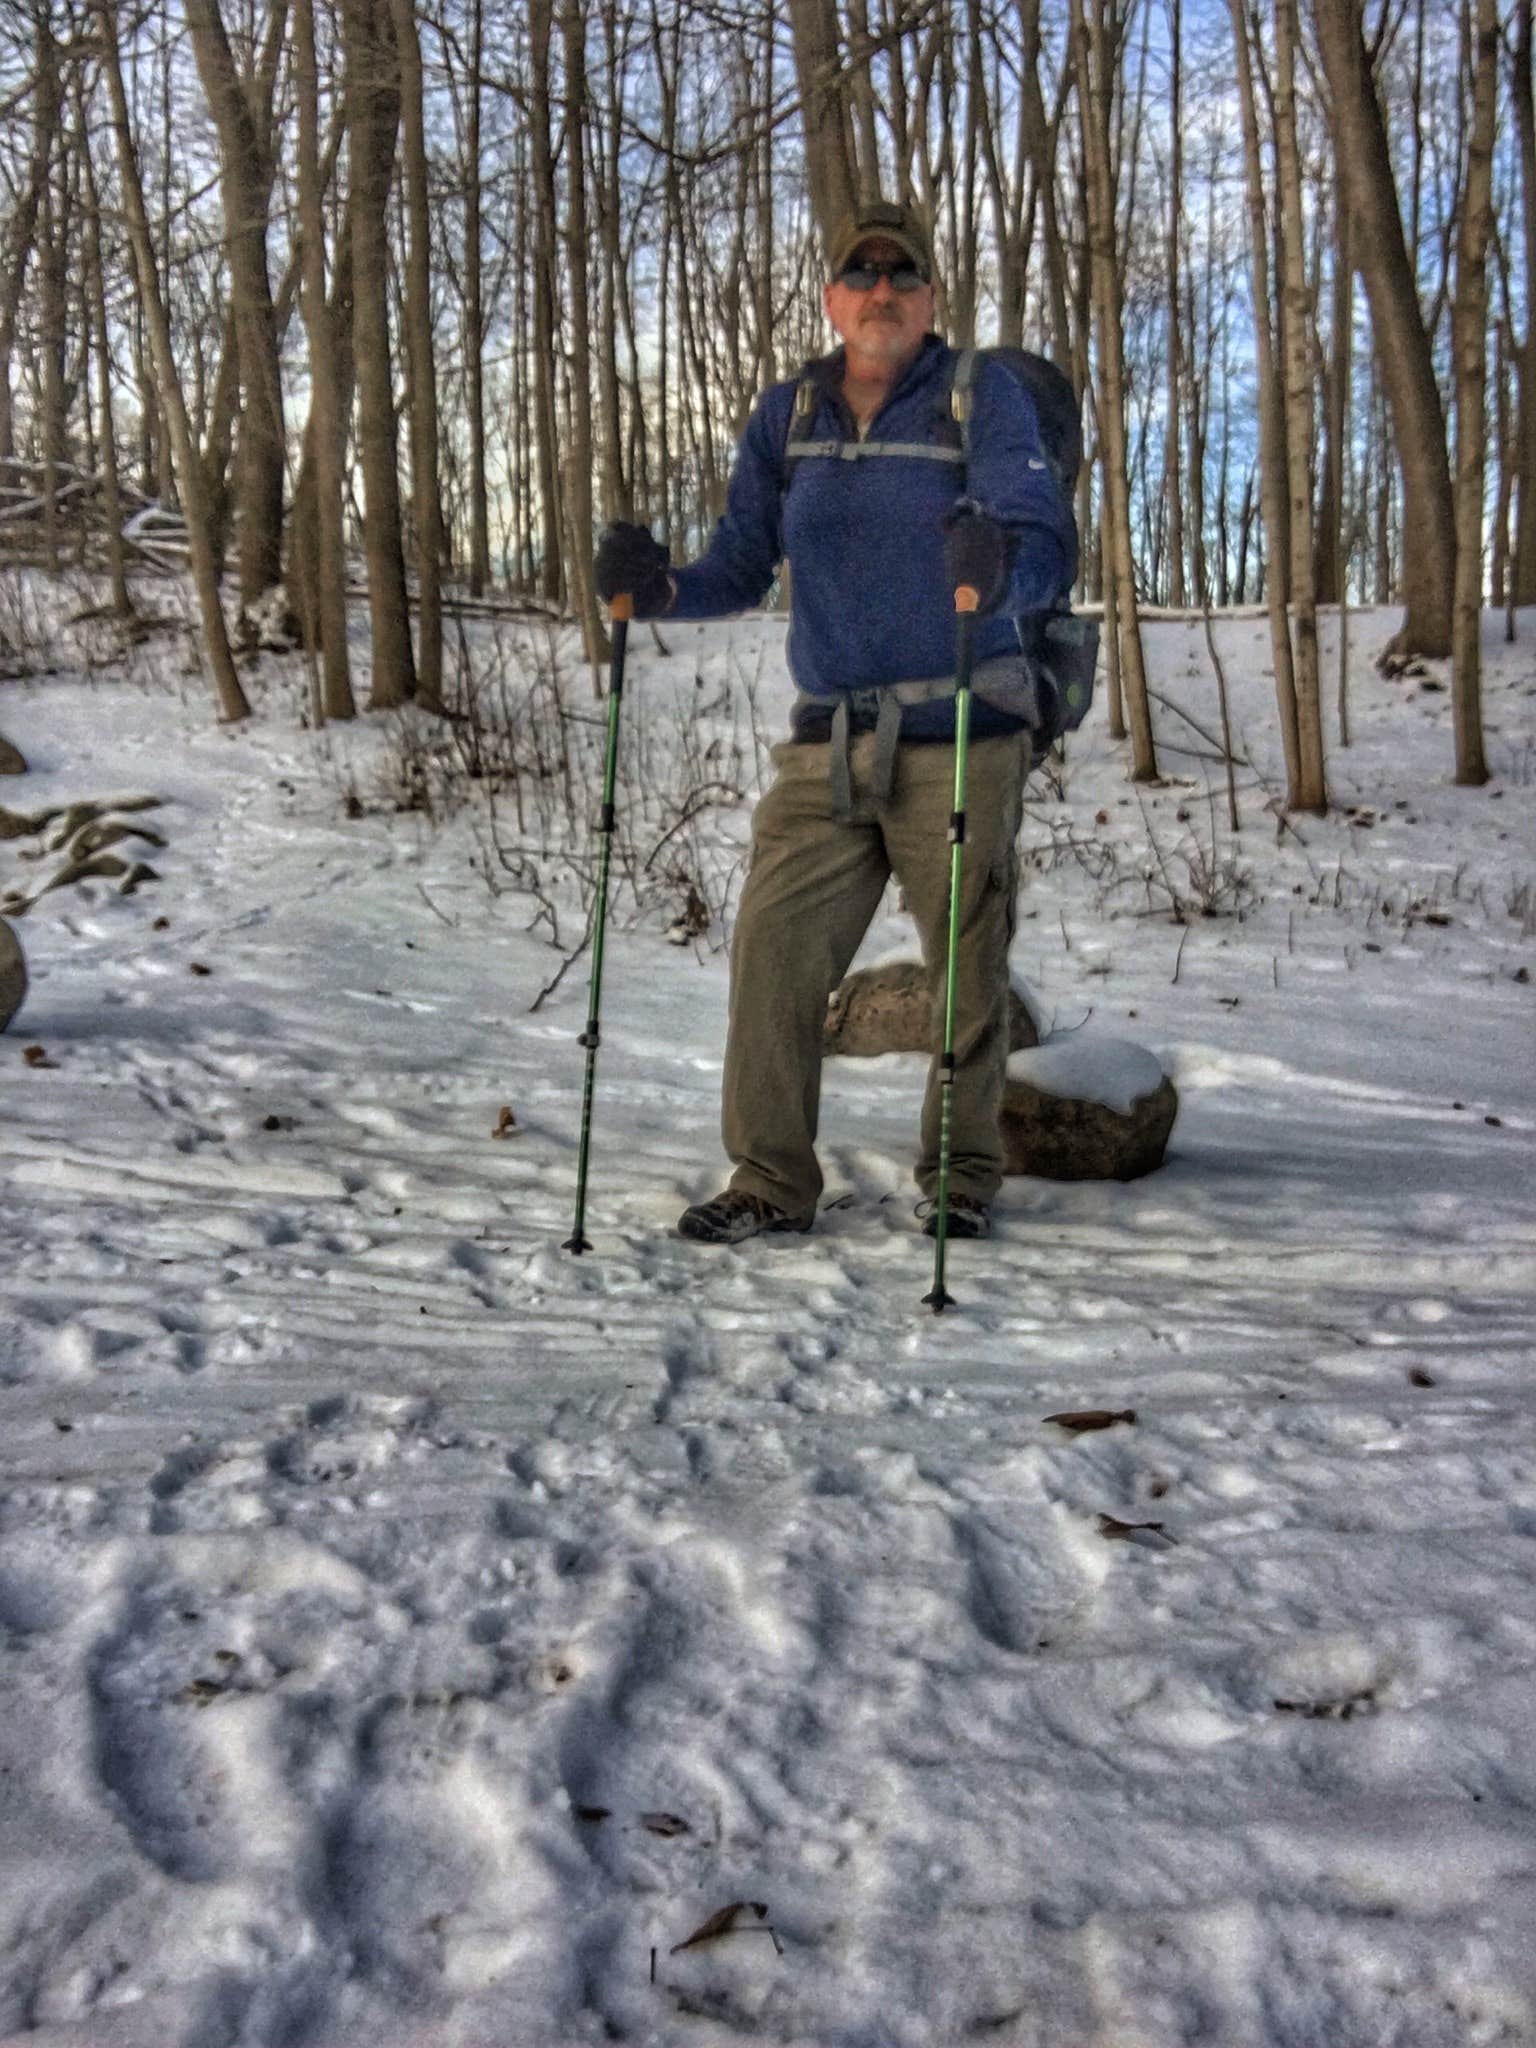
864 785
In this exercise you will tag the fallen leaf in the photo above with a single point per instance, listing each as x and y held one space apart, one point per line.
1418 1377
161 924
664 1824
1113 1528
1330 1710
202 1692
37 1056
721 1923
592 1814
197 967
1079 1419
506 1123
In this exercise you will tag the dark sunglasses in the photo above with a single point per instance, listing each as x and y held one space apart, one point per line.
863 277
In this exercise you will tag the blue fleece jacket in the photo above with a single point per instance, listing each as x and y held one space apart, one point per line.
871 603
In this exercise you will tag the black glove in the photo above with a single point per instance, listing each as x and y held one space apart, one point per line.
630 560
978 550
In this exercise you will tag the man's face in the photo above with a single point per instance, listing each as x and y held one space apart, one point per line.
883 325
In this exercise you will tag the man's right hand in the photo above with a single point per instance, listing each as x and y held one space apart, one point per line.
631 562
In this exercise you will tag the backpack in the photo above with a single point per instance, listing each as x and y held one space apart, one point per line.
1064 657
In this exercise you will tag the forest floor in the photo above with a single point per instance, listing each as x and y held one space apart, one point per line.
410 1635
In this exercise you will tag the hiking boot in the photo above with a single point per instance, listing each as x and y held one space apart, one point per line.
733 1215
969 1216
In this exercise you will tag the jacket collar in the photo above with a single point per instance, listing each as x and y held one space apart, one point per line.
826 372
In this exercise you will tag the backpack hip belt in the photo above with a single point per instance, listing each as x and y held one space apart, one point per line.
1014 684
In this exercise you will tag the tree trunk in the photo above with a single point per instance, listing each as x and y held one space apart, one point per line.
1274 481
21 233
578 269
1523 587
1098 31
1332 494
830 161
373 114
1173 494
324 611
245 185
101 348
1402 341
1311 793
546 206
53 230
231 698
474 321
425 489
1470 327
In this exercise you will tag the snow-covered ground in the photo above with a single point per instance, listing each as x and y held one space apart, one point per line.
411 1634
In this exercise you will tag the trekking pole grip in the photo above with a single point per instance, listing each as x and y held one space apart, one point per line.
621 606
967 598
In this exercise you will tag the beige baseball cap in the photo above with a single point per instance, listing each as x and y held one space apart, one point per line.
878 217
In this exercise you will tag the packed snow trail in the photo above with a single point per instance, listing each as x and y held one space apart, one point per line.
410 1634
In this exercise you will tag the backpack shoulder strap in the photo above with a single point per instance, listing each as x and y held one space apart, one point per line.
796 432
962 396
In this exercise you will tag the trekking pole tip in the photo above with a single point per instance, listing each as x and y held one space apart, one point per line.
577 1244
939 1300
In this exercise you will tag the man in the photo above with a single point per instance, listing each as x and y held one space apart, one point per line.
865 785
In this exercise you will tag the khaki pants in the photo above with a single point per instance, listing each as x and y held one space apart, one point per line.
813 886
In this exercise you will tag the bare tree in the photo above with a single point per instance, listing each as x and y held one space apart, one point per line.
1471 351
830 160
245 177
21 236
1523 580
324 611
425 494
101 349
373 115
1311 790
1274 455
1403 352
231 697
1099 30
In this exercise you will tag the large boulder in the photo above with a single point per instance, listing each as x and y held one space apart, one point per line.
13 974
1081 1107
888 1009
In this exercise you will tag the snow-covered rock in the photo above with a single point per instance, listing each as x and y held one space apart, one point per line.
13 974
1081 1106
887 1008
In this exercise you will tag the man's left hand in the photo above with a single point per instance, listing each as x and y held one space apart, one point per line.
978 552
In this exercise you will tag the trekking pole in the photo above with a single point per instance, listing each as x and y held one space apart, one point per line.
967 598
620 611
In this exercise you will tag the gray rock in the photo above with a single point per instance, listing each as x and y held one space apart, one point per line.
13 975
888 1009
12 761
1074 1137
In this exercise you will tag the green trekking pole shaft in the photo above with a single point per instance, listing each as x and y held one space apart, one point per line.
620 611
966 602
